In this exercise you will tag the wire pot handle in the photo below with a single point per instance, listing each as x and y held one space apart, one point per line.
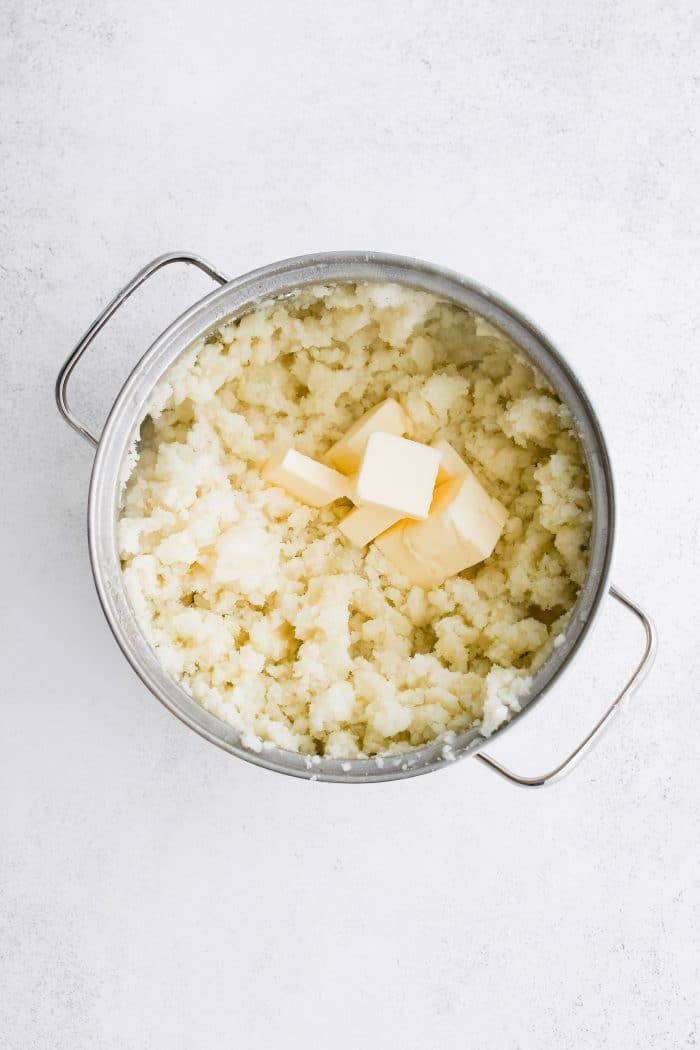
638 675
101 320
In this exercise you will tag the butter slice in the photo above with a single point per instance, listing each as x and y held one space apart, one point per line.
396 474
387 416
305 479
463 528
363 524
393 546
451 463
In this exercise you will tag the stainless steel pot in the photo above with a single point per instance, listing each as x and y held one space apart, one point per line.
237 297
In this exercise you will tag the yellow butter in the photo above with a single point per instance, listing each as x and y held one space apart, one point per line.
451 463
387 416
305 479
462 529
393 546
363 524
396 474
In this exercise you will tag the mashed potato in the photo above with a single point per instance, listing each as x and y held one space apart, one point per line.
259 606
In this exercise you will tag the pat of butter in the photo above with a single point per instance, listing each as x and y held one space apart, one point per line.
363 524
462 529
304 478
396 474
387 416
451 463
393 546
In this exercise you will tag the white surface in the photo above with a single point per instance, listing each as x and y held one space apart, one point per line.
157 893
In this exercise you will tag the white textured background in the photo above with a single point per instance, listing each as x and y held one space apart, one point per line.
156 893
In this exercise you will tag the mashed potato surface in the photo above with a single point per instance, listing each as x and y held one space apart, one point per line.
256 603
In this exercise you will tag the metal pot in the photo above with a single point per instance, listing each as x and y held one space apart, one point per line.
237 297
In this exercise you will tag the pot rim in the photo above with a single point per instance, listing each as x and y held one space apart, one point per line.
240 296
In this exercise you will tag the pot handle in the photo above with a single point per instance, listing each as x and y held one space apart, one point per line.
101 320
638 675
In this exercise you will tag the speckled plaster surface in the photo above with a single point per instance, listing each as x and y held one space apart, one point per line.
155 893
